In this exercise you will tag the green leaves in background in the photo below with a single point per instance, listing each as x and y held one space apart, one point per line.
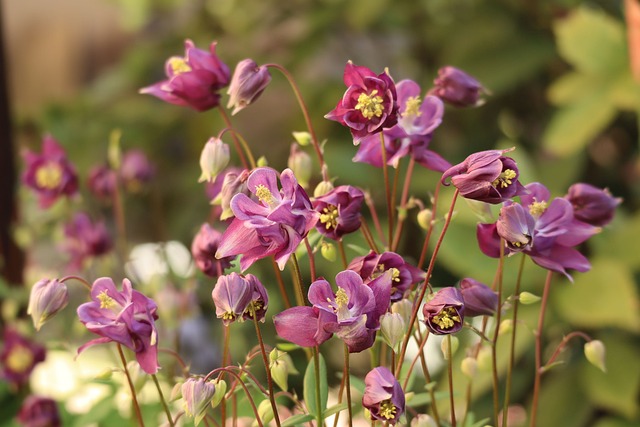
310 387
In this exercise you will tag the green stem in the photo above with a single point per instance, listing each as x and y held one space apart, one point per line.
494 346
564 342
348 382
450 371
297 280
236 140
162 400
366 232
265 359
316 365
134 398
538 335
225 362
343 255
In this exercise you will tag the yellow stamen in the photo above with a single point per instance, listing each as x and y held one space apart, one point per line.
19 359
179 65
387 409
395 274
370 104
106 301
342 299
329 217
413 107
537 208
447 318
49 176
229 315
505 178
264 195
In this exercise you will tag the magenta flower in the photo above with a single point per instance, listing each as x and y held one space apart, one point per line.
444 312
247 84
46 299
85 239
18 357
591 204
50 174
38 411
339 211
102 182
273 225
417 121
368 105
204 247
136 170
457 88
403 274
126 317
383 396
487 176
479 299
232 295
193 80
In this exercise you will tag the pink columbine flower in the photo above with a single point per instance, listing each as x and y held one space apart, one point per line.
444 312
247 84
273 225
339 211
232 295
50 174
457 88
368 105
193 80
592 205
204 247
18 357
85 239
136 170
383 396
102 182
46 299
39 411
126 317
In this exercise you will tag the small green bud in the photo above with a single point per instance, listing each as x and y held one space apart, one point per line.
527 298
213 159
404 308
469 366
425 216
301 165
595 353
392 327
506 326
281 366
114 152
262 162
444 346
328 251
484 359
105 374
302 138
221 389
322 188
423 420
265 412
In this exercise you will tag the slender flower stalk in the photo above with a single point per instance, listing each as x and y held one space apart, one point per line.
538 350
316 365
387 189
265 359
366 232
450 376
312 259
496 331
347 368
374 217
134 398
244 387
163 401
425 245
403 203
563 343
239 146
343 255
79 279
297 280
283 292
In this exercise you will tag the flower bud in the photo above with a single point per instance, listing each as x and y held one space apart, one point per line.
221 389
197 395
302 138
527 298
404 308
213 159
322 188
457 88
265 412
392 327
247 84
595 353
262 162
478 298
469 366
39 411
425 216
423 420
301 165
484 359
47 298
328 251
444 346
592 205
506 326
281 367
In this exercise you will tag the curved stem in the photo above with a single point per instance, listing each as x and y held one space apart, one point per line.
265 359
563 343
366 232
236 141
136 405
348 382
183 365
79 279
374 217
538 335
162 400
450 375
225 362
244 387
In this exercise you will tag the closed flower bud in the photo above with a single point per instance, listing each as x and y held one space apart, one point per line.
281 367
221 389
213 159
457 88
404 308
469 366
302 138
328 251
47 298
506 326
392 327
136 170
478 298
197 395
592 205
231 296
425 216
262 162
322 188
301 165
527 298
595 353
444 346
247 84
265 411
423 420
39 411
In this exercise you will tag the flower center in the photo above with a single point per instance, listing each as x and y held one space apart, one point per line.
342 299
20 359
505 178
179 65
229 315
412 107
329 217
254 307
447 318
264 195
387 409
370 104
537 208
106 301
49 176
395 274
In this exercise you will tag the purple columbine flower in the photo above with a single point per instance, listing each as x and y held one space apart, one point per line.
85 239
339 211
274 225
39 411
232 295
18 357
136 170
546 231
259 299
204 247
126 317
197 395
592 205
403 274
368 105
46 299
383 396
444 312
247 84
457 88
487 176
417 121
479 299
193 80
102 182
50 174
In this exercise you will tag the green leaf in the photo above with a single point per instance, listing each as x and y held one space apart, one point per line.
310 386
297 420
335 409
615 422
605 296
592 42
572 86
617 240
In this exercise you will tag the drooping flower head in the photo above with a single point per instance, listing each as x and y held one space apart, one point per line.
444 312
247 84
136 170
126 317
39 411
373 265
47 298
368 105
259 299
274 224
85 239
417 120
18 357
193 80
592 205
457 88
487 176
339 211
479 299
197 395
383 396
203 249
50 174
232 295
